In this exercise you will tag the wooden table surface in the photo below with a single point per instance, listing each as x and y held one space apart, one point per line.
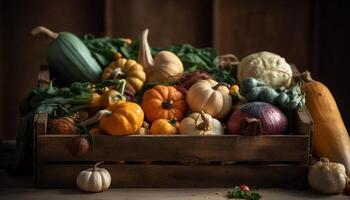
153 194
22 188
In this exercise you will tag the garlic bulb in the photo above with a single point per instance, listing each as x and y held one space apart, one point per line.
269 67
165 66
94 179
201 124
327 177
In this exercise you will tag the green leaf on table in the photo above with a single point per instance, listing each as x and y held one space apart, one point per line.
238 193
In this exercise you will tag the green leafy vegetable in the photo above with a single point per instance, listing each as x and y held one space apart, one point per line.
238 193
104 49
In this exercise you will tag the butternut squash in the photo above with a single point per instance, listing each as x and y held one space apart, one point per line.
331 139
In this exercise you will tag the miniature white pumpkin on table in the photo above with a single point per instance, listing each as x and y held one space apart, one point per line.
94 179
201 124
328 177
211 97
267 66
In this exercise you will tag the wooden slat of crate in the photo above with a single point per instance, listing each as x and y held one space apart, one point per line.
180 176
286 148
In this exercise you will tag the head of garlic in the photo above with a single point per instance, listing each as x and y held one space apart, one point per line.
327 177
164 67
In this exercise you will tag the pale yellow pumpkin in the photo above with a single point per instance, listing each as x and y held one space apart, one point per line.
211 97
165 66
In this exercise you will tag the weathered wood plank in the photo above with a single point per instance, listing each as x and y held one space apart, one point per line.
180 176
40 123
304 124
282 148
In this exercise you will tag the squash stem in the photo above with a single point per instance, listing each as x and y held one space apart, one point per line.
43 30
204 125
95 118
303 77
221 84
144 54
97 164
167 104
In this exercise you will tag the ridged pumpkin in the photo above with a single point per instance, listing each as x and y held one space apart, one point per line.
331 139
200 124
129 70
164 127
163 102
211 97
121 118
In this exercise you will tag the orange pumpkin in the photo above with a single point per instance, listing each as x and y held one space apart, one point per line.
164 127
121 118
163 102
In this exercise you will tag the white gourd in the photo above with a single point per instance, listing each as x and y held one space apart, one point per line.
211 97
267 66
327 177
94 179
200 124
165 66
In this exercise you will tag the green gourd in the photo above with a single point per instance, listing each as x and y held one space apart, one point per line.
257 90
69 58
268 95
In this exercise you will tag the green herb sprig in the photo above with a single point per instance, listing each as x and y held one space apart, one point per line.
238 193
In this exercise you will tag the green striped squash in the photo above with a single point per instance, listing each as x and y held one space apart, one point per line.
69 58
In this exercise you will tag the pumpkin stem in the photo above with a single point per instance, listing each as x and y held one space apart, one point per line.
167 104
96 165
204 125
303 77
173 122
324 160
118 74
306 76
44 30
221 84
144 54
95 118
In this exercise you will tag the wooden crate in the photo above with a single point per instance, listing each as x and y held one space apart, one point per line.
264 161
180 161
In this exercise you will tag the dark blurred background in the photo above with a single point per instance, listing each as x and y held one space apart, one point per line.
312 34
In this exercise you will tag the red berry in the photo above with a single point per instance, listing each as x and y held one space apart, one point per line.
79 146
245 188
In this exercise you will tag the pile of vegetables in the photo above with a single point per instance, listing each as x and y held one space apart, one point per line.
126 87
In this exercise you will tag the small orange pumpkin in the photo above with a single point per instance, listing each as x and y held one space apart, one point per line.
163 102
122 118
164 127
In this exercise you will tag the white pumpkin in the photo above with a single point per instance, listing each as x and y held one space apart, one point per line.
327 177
94 179
269 67
211 97
201 124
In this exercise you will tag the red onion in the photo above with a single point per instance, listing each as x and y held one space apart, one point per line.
257 118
